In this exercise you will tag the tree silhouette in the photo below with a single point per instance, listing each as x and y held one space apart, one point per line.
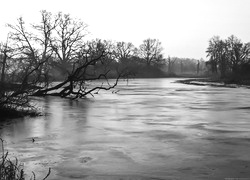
151 51
228 55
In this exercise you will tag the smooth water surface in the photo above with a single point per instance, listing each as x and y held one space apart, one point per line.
149 129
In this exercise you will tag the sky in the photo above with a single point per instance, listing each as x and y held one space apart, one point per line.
184 27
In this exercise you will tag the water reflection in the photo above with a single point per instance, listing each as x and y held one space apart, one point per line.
152 128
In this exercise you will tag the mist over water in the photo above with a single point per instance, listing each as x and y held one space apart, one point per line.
144 129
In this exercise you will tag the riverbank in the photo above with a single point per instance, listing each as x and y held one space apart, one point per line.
216 82
14 113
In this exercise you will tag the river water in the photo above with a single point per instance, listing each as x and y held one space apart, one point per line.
146 129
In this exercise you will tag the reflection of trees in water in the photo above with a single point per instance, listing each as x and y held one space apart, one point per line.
62 112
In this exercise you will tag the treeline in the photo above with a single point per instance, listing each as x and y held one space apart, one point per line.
186 66
52 49
229 58
144 61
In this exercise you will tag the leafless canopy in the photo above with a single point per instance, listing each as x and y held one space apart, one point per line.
39 52
151 51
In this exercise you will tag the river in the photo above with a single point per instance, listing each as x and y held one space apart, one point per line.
146 129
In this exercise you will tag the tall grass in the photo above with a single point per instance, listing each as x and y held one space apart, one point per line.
12 169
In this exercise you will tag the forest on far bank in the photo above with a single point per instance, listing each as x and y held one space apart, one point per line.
57 44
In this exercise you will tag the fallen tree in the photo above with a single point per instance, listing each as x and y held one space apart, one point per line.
74 86
37 56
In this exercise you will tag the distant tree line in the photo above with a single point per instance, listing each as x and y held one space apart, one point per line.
229 58
185 66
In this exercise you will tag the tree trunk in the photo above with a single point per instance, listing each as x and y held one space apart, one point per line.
3 67
181 67
198 67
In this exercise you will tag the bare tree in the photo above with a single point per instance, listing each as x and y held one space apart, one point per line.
151 51
198 67
25 59
227 55
237 53
213 53
5 53
170 62
124 50
67 39
32 50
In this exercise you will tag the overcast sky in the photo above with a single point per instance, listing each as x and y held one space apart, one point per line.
183 26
